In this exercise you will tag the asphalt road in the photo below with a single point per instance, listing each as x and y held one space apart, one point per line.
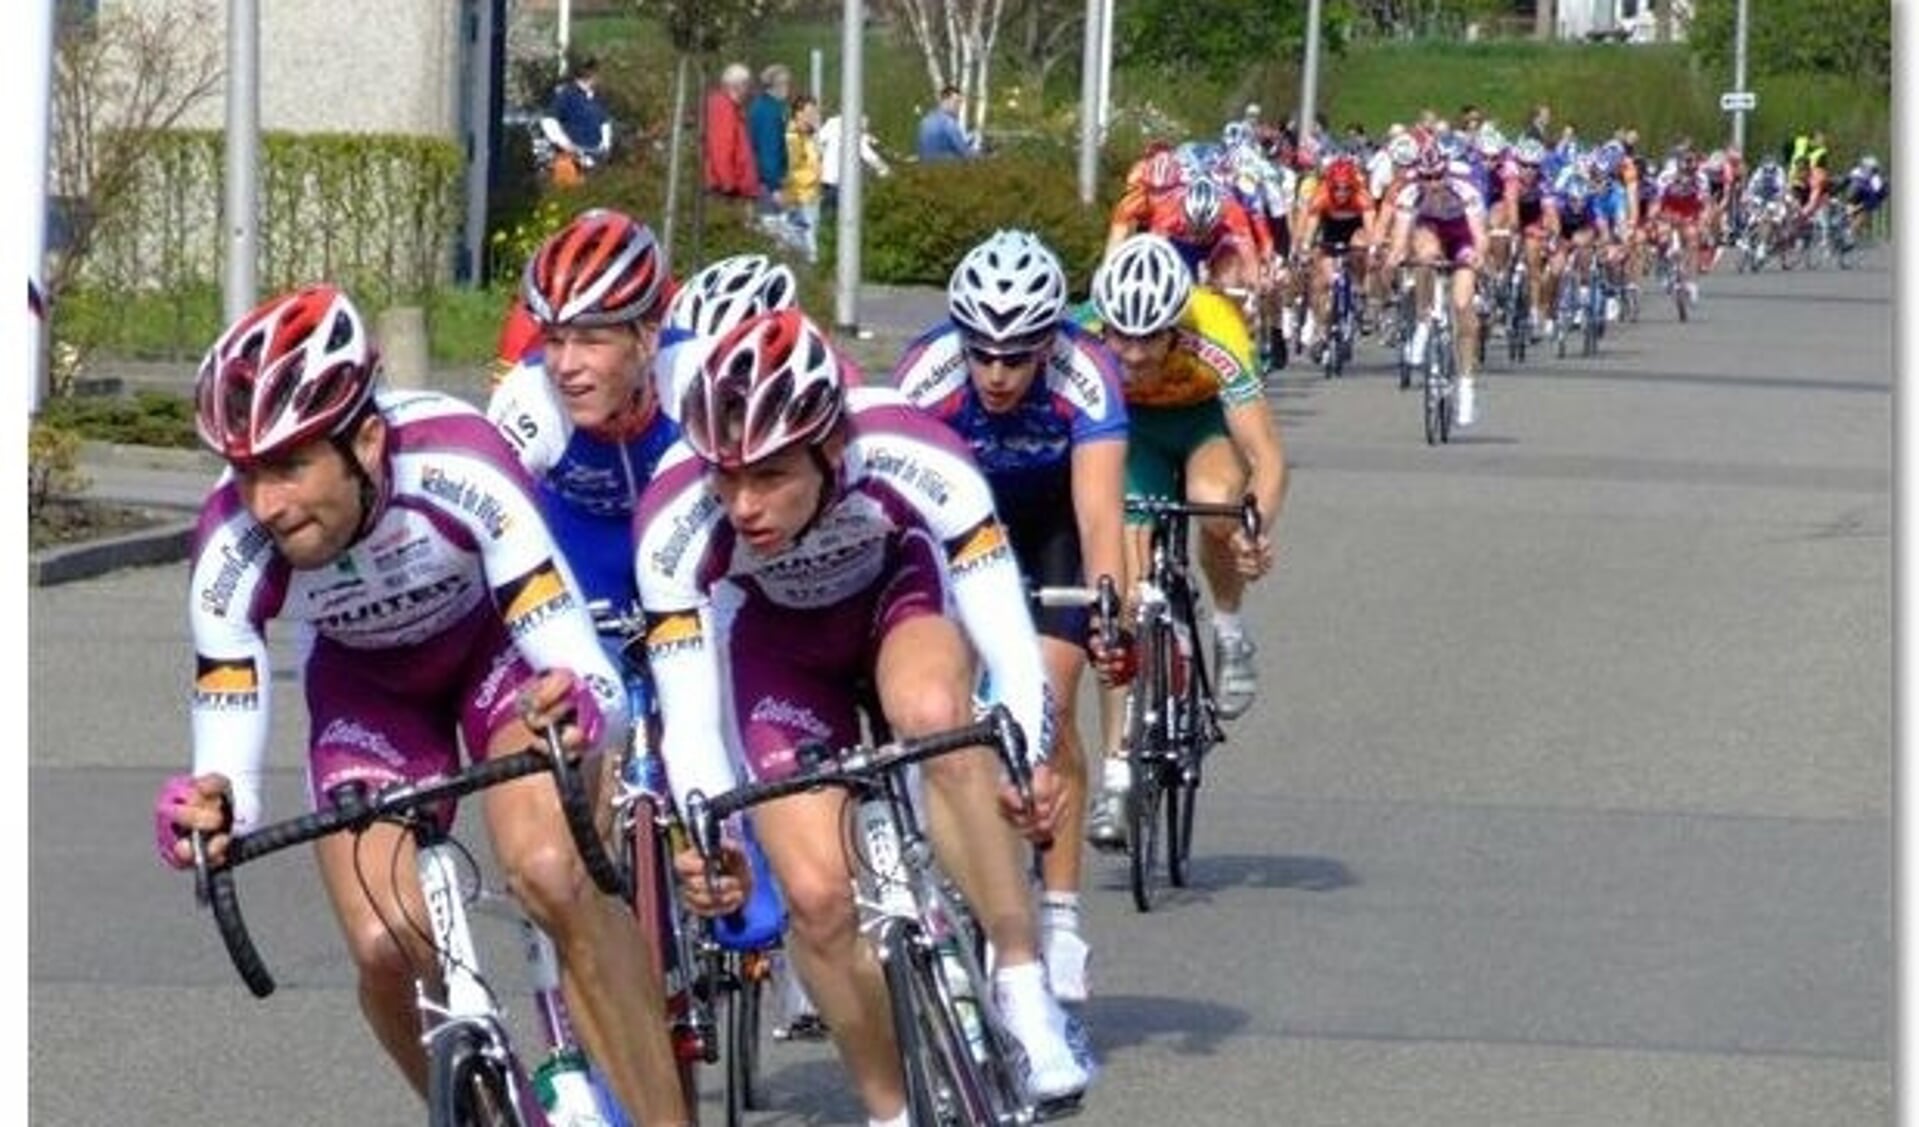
1567 800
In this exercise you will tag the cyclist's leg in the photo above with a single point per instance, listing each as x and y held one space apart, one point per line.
790 675
616 1003
361 733
924 672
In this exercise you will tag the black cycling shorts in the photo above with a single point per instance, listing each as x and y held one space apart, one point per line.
1046 545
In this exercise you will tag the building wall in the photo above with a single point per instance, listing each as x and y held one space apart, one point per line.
346 66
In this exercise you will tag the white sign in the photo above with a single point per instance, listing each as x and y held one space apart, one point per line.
1733 101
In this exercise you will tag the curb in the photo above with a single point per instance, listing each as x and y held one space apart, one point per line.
166 544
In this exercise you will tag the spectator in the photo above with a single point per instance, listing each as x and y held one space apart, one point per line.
802 188
942 137
577 126
829 138
766 122
729 155
1540 127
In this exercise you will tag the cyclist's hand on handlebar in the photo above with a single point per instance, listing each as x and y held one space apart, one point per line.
730 884
560 697
1252 558
1115 667
187 803
1039 823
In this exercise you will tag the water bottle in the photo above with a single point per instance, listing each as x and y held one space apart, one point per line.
566 1093
965 1001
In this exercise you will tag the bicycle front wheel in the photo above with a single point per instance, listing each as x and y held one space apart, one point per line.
467 1086
944 1085
741 1034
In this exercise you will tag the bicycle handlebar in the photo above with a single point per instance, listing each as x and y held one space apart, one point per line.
1246 510
215 884
1103 598
857 768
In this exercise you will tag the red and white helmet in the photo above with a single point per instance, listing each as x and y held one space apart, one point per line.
601 269
297 367
773 382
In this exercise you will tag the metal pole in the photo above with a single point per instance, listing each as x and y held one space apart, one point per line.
38 34
675 137
1739 77
846 303
817 59
1309 75
566 32
1089 105
243 156
1105 66
477 124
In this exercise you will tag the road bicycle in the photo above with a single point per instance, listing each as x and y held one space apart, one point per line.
1342 328
961 1066
715 973
475 1075
1518 308
1171 717
1440 362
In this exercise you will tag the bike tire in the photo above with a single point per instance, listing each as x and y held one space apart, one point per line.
467 1087
1449 392
1182 791
944 1085
741 1034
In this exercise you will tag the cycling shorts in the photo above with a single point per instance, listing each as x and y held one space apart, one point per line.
1158 443
795 671
1336 232
1045 537
392 715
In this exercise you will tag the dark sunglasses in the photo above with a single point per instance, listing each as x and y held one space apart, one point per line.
984 356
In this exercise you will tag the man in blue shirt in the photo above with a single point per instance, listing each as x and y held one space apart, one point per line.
942 137
576 124
766 129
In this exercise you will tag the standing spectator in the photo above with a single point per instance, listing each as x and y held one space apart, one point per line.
766 125
942 137
729 155
1540 127
577 126
829 137
802 188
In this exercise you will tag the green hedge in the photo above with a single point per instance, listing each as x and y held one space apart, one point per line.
923 218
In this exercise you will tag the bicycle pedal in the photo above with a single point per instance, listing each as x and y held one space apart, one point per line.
1064 1107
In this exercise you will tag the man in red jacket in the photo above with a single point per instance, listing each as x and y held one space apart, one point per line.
729 155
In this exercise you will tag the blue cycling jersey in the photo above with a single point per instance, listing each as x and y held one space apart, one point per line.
588 485
1025 452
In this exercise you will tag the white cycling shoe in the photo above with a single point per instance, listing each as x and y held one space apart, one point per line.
1059 1058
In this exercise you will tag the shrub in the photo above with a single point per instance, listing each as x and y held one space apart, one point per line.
53 465
148 418
924 218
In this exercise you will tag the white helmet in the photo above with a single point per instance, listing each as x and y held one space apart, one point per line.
1010 288
1143 286
727 292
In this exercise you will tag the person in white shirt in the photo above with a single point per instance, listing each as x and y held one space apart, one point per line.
829 137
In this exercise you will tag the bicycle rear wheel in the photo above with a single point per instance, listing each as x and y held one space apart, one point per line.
1435 397
468 1087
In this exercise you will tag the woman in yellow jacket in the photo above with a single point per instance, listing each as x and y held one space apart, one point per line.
803 189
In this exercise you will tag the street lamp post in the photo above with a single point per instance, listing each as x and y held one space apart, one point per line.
1309 75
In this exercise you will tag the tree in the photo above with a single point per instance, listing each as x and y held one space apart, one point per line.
1851 37
122 77
958 39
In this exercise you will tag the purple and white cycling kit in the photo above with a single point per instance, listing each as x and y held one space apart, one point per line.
428 624
754 654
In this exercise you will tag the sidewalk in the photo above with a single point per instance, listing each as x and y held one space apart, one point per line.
178 481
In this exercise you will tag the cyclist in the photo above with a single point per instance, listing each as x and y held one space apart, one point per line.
1684 200
1439 215
1200 428
1338 220
805 539
1038 401
399 536
1152 185
580 411
1865 195
1527 205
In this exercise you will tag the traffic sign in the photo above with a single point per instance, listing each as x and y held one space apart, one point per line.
1733 101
